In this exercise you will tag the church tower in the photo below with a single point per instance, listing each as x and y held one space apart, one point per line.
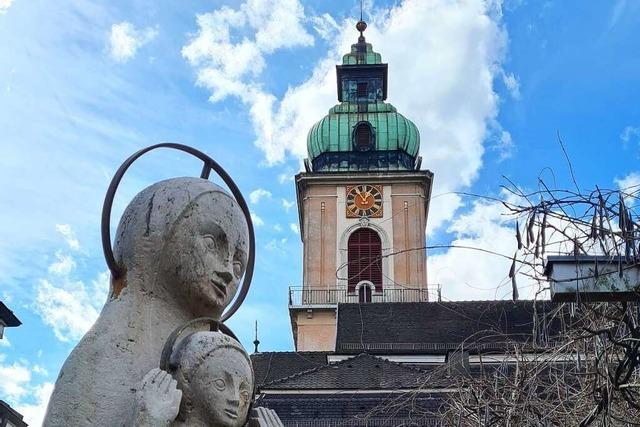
362 203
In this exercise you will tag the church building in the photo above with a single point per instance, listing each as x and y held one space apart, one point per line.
374 344
363 203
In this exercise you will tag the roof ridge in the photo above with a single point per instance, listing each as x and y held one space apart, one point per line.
293 352
340 363
391 362
297 374
458 301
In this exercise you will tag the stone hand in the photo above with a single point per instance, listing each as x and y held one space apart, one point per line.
157 399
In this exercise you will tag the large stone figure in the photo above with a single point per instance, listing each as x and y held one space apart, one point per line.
183 246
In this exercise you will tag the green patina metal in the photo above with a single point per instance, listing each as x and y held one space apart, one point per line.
368 57
392 130
331 142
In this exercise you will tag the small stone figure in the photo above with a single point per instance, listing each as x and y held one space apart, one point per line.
183 246
212 371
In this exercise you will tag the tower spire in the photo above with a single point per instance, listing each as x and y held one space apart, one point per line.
361 25
256 342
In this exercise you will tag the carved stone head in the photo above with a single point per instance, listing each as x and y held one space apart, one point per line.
216 378
186 239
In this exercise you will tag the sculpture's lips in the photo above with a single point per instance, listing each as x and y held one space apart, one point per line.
220 288
231 413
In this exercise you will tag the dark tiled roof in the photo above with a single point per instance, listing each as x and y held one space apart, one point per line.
269 367
8 317
9 414
363 372
436 327
306 410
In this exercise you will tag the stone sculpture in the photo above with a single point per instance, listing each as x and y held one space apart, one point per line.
183 245
212 385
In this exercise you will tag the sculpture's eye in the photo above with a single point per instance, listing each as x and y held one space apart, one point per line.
219 384
237 269
209 242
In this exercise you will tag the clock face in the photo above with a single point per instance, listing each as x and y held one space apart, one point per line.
364 200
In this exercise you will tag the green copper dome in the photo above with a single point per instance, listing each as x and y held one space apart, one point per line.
362 132
392 130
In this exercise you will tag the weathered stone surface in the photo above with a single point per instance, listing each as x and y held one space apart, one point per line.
183 244
216 378
157 400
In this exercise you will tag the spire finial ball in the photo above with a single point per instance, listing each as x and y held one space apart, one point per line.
361 26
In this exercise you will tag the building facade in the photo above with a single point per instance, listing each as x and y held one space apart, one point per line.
363 204
375 345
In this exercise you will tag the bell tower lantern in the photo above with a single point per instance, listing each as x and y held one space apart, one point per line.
363 203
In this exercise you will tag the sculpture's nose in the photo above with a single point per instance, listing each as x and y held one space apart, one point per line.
225 276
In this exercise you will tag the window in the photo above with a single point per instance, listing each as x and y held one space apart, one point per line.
363 136
362 91
364 255
364 293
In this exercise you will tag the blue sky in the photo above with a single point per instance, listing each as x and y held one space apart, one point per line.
84 84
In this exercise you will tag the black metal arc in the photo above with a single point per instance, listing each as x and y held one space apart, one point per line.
212 325
209 164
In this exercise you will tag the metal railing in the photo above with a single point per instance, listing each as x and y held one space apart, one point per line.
307 297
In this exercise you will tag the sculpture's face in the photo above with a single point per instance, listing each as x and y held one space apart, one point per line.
207 255
222 388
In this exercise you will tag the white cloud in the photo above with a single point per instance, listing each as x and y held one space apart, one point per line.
4 342
5 5
504 145
286 177
64 265
631 182
294 228
40 370
256 195
325 26
16 387
125 40
14 379
459 57
629 133
69 235
277 228
286 204
227 67
257 221
630 185
485 226
34 413
512 84
277 244
69 306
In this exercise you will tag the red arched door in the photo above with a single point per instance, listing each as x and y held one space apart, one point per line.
364 253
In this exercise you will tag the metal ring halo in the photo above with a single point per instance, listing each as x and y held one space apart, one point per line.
209 164
167 349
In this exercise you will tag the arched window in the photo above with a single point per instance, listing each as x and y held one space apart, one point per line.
363 136
364 293
364 255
